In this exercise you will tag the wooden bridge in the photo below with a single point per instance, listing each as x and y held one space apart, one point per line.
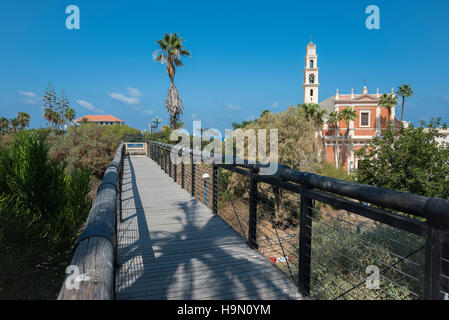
160 229
171 246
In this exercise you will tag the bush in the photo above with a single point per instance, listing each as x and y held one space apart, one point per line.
42 207
90 146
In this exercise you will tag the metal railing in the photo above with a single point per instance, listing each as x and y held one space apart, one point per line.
336 239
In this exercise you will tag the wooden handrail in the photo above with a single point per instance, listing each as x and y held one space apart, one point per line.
91 271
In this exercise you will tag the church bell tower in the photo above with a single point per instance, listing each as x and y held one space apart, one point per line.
311 83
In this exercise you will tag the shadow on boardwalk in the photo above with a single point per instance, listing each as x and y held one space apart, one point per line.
172 247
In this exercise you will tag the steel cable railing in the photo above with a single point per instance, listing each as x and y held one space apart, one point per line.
326 233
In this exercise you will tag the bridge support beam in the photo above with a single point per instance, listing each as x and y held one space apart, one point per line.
252 232
214 189
305 243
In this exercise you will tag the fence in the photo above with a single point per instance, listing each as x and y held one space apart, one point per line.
92 268
336 239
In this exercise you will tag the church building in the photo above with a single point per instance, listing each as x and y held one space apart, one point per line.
370 120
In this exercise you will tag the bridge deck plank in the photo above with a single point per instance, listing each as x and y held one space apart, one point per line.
171 246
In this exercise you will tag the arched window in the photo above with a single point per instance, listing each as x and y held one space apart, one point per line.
312 78
311 92
311 64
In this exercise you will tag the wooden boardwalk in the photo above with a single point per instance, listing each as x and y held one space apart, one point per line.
171 246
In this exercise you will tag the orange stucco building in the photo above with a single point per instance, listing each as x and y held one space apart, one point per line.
370 120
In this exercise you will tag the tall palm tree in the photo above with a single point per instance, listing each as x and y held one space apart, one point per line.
69 115
388 101
347 115
332 120
4 125
404 91
170 52
24 119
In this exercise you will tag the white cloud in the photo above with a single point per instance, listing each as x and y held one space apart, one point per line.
30 101
194 116
232 107
27 94
133 92
124 99
30 97
89 106
275 105
148 112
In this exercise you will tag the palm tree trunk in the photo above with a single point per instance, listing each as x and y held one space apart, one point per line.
337 147
402 111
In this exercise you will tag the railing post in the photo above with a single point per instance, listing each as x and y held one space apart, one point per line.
214 189
305 243
432 268
192 165
170 173
122 167
175 167
252 232
182 173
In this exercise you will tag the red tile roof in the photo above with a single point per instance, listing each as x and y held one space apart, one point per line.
99 118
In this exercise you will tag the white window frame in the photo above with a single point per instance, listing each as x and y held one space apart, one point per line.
360 118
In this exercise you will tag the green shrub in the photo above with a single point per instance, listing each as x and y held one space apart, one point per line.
89 146
42 207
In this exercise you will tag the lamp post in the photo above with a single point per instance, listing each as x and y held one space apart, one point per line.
205 178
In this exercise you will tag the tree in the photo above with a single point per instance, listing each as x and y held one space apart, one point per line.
62 104
332 120
69 114
408 160
170 52
404 91
50 103
4 125
24 120
314 112
388 101
48 115
347 115
14 124
56 119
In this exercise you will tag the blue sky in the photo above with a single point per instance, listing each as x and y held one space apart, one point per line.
247 56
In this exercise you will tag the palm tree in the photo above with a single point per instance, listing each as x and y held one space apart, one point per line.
333 119
69 115
347 115
314 112
404 91
56 118
388 101
62 104
170 52
4 125
24 119
49 102
48 114
14 124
